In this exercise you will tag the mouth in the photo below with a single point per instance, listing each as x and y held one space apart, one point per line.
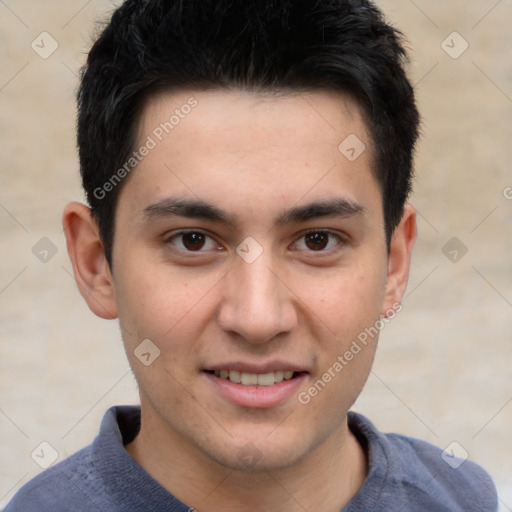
255 379
252 387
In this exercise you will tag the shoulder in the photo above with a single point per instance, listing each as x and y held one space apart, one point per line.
55 488
82 481
100 477
438 473
410 470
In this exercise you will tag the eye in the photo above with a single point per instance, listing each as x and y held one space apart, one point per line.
317 241
193 241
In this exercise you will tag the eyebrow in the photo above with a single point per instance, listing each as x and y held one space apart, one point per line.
198 209
338 207
191 208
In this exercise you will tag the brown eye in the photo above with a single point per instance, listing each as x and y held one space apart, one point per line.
193 241
317 241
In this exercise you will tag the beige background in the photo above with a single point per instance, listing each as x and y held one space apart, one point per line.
443 372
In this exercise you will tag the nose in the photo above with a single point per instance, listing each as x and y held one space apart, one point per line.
257 306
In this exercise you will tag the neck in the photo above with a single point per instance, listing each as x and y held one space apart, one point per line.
325 479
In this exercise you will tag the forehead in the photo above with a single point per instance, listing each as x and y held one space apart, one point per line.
241 149
318 116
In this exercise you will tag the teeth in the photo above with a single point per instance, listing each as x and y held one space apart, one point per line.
249 379
279 376
233 375
253 379
266 379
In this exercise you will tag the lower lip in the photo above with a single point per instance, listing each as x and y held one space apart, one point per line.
256 396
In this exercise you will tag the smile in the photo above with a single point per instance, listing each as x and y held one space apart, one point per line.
254 379
255 389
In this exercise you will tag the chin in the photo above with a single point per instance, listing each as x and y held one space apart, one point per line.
259 456
250 459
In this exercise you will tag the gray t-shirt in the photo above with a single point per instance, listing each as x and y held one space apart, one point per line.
405 474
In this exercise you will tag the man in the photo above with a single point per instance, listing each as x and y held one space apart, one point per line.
247 166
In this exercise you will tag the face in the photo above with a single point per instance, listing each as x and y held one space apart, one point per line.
249 248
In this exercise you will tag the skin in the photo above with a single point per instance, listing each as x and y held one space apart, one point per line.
253 157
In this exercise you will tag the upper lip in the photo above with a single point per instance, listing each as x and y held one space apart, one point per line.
259 368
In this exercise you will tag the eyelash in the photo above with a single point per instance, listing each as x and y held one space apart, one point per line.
180 234
330 234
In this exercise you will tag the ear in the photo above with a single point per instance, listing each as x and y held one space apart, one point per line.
399 259
85 249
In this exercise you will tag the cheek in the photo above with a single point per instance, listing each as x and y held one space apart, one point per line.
346 301
350 307
159 303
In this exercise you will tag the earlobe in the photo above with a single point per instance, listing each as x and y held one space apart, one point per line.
90 267
399 260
